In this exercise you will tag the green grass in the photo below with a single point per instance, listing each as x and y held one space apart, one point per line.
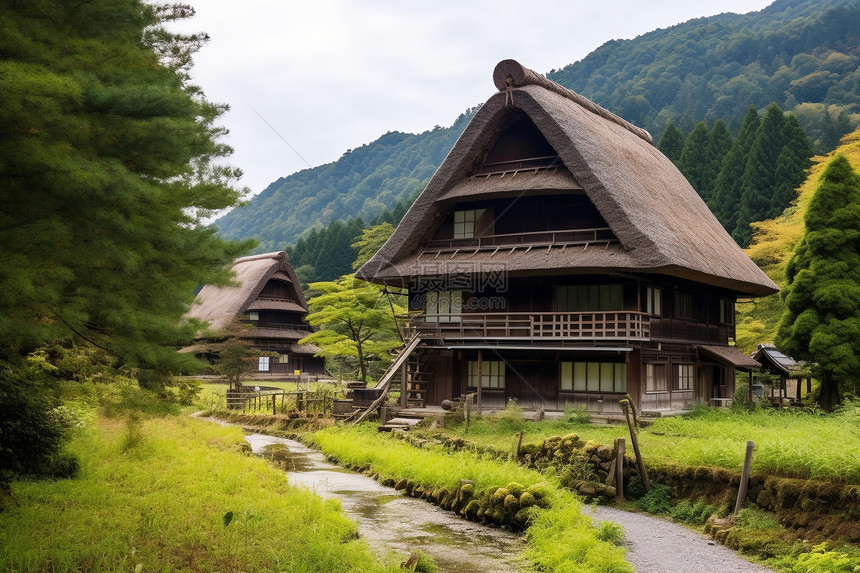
170 493
789 443
560 537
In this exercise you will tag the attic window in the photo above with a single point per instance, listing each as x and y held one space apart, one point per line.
465 223
521 146
253 315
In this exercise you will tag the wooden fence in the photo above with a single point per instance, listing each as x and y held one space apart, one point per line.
279 402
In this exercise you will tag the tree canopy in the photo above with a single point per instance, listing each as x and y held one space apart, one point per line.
109 160
821 323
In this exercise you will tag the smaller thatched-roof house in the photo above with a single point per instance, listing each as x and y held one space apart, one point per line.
266 295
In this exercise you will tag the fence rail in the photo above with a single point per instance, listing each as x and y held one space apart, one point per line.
540 326
279 402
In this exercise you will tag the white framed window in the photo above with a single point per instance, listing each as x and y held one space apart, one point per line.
253 315
594 376
655 378
582 298
465 223
444 306
684 376
263 364
654 300
492 376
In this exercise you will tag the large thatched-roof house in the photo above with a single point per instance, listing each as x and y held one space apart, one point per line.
267 296
557 252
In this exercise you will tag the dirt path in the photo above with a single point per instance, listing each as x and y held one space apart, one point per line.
656 545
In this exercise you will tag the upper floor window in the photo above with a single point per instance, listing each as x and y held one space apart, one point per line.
253 315
654 300
684 305
444 306
727 311
465 223
581 298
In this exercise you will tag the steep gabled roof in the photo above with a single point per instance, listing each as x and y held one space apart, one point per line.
661 223
220 305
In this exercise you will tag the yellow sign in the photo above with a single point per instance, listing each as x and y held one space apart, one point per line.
297 372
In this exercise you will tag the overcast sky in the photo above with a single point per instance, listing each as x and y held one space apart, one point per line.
308 79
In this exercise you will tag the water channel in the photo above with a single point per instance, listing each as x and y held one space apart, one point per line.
391 520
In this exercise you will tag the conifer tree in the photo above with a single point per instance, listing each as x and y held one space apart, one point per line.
821 323
671 142
791 165
719 145
694 160
727 188
108 164
758 184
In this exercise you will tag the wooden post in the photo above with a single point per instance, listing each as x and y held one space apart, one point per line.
466 399
404 383
643 473
519 443
620 448
745 478
749 389
480 378
274 404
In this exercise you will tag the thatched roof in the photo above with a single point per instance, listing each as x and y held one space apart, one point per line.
220 305
662 225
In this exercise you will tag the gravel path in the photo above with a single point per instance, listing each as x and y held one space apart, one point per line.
656 545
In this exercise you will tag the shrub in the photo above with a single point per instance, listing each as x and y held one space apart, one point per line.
657 500
820 560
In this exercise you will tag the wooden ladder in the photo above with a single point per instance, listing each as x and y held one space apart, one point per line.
385 382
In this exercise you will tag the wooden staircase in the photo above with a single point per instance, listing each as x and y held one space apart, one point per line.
419 378
384 384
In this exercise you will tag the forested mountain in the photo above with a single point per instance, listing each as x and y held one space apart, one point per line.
803 55
800 54
362 183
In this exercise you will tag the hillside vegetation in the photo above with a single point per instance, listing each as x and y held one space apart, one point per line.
800 54
773 243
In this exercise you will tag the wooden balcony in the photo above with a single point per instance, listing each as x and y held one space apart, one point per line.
540 327
537 239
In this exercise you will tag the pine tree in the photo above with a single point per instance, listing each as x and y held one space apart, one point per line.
719 145
109 164
758 185
821 323
671 142
694 160
791 165
727 188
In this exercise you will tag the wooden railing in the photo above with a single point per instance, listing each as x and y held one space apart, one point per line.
537 238
540 326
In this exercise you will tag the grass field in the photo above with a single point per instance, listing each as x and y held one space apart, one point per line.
171 493
789 443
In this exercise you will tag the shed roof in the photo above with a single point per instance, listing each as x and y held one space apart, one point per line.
662 224
770 355
220 305
731 356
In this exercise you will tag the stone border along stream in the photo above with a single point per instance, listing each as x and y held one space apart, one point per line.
654 545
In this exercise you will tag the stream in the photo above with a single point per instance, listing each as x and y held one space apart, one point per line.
390 520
